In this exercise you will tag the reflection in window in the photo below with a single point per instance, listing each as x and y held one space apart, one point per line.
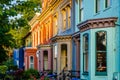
101 51
85 52
31 62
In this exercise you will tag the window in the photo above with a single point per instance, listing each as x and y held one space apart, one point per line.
85 53
81 10
31 62
64 19
101 42
69 17
97 6
107 3
63 58
46 60
55 25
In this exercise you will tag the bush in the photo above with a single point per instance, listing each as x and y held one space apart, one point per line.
30 73
3 69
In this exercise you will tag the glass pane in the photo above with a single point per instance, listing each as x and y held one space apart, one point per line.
97 5
107 3
101 41
31 59
101 62
85 42
101 51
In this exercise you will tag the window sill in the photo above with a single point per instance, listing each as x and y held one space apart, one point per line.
101 74
97 13
107 8
85 73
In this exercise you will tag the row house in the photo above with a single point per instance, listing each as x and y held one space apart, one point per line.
51 33
31 41
97 35
78 36
54 50
18 58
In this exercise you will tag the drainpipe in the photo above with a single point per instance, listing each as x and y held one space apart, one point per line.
118 46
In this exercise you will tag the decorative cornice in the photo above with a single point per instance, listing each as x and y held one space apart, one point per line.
97 23
76 36
44 46
30 49
61 38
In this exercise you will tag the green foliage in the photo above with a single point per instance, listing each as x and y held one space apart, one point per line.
9 77
12 27
3 69
31 73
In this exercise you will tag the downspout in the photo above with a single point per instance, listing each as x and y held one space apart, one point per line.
118 46
119 32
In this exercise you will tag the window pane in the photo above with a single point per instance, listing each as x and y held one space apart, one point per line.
101 51
107 3
31 62
97 5
81 10
85 52
31 59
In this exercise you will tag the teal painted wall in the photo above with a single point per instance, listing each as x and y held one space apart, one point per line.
92 55
113 54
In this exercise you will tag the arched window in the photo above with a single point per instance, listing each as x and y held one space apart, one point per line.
101 52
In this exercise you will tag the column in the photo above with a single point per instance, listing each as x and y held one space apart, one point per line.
77 42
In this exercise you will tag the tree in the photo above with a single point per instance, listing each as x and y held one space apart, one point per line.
6 40
14 17
27 10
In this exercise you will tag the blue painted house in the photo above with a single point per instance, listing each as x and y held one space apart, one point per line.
18 57
21 58
97 27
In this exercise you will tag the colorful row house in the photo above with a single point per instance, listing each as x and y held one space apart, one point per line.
79 37
18 58
98 25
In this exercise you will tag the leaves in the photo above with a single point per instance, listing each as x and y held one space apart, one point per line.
13 27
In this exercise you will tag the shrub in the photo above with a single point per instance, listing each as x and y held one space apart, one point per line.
31 73
3 69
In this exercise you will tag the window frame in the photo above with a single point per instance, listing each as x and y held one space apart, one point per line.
31 67
81 8
64 17
69 16
96 72
97 6
85 72
107 3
